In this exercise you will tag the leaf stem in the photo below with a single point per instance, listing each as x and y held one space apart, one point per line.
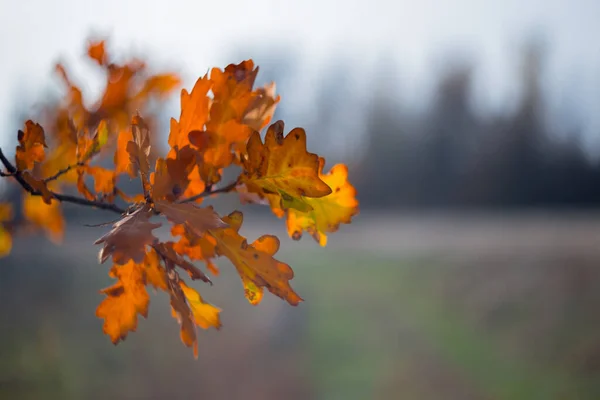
12 171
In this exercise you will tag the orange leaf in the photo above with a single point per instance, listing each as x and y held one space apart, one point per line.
194 113
39 186
255 263
48 217
195 247
31 146
96 52
125 300
129 237
155 273
121 158
197 219
282 166
327 212
104 180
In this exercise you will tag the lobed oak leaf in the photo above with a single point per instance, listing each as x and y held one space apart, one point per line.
129 237
197 220
255 263
194 113
45 216
262 108
121 157
195 247
155 273
327 212
139 148
32 143
205 315
39 186
6 214
104 180
181 311
125 300
283 167
173 176
171 258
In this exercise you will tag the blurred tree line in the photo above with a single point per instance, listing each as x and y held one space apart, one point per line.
449 157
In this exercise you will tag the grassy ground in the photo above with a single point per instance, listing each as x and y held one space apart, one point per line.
383 327
437 324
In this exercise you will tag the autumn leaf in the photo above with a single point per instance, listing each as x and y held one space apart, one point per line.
173 175
282 166
205 315
121 157
139 148
6 214
171 258
327 212
39 186
195 247
45 216
129 237
261 109
96 51
181 311
155 272
125 300
197 219
255 263
194 113
32 143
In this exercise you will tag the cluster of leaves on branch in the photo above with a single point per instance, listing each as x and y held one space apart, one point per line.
219 127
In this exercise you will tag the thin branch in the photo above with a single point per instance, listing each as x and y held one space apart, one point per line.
5 174
58 196
64 171
209 191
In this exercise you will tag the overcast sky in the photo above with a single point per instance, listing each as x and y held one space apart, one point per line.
195 35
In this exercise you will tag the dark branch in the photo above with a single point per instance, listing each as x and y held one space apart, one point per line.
58 196
209 191
64 171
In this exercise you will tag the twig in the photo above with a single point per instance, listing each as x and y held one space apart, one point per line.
58 196
209 191
64 171
5 174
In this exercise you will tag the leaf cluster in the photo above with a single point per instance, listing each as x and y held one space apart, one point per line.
219 127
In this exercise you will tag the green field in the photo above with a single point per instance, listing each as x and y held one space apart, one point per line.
520 326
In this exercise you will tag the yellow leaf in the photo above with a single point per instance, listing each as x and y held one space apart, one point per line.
327 212
282 166
48 217
205 315
255 263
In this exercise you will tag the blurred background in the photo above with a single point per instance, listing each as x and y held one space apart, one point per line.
472 133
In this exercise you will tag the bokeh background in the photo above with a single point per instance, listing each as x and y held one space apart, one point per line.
472 133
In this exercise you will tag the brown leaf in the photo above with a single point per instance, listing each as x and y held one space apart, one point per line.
197 219
139 148
172 259
129 237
